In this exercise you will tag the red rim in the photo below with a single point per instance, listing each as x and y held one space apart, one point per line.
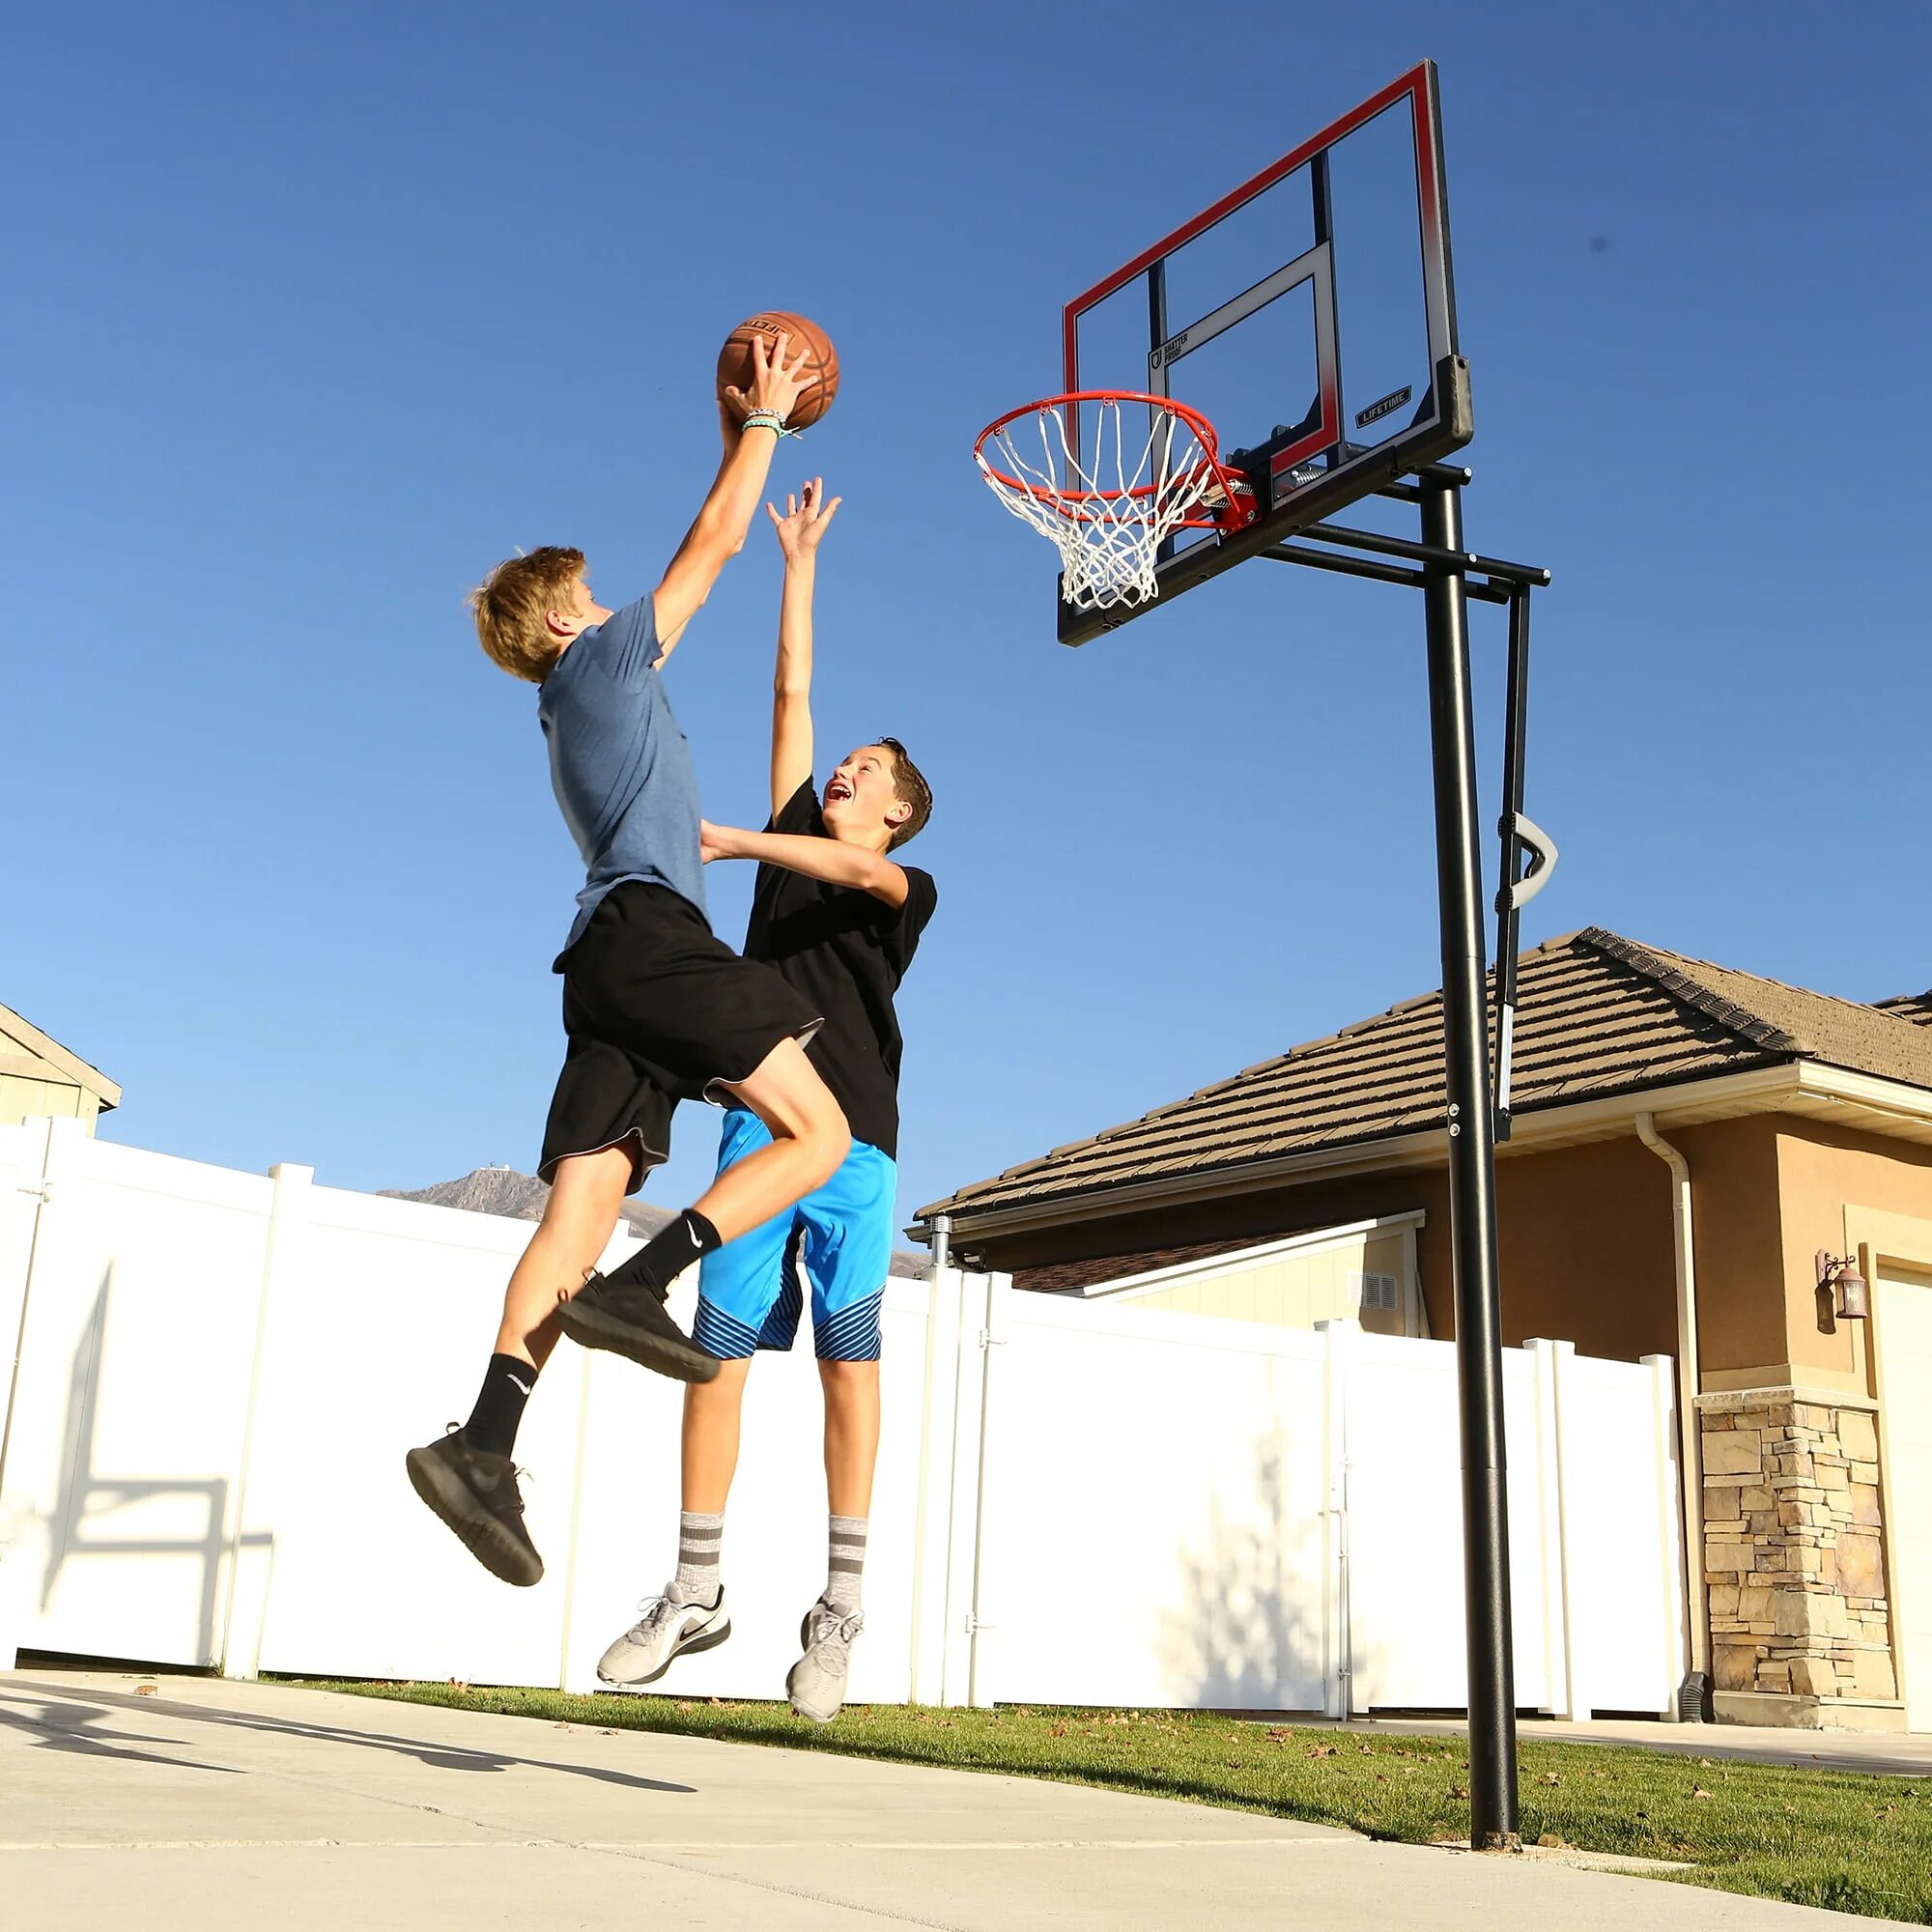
1201 430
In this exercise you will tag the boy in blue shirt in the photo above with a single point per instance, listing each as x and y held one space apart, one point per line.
657 1008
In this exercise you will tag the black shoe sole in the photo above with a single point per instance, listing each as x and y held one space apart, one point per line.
710 1641
591 1326
478 1531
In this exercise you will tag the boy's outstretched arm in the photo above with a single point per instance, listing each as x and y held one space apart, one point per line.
800 529
826 858
719 532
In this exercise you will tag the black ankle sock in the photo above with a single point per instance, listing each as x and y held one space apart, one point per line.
669 1253
507 1384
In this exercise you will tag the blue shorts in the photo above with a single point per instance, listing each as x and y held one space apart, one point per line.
839 1237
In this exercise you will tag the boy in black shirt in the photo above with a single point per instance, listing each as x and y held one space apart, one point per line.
840 920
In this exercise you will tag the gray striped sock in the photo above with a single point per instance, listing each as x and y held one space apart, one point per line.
845 1564
698 1538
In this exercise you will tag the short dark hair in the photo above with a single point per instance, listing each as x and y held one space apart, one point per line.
908 784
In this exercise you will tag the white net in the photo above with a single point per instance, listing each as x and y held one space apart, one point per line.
1109 503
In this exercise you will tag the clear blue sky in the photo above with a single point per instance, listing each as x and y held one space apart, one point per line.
316 311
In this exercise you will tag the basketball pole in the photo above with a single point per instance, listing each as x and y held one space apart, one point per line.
1494 1823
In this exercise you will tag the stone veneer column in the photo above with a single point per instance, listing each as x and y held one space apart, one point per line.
1794 1561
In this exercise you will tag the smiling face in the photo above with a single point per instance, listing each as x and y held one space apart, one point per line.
862 805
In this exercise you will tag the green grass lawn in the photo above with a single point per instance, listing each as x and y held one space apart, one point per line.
1849 1842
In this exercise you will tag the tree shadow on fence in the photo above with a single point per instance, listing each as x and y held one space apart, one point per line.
1247 1633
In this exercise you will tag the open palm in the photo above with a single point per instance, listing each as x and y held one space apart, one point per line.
805 521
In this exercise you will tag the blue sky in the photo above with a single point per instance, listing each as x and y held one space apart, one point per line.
317 311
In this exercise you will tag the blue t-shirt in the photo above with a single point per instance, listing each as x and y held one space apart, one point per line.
621 767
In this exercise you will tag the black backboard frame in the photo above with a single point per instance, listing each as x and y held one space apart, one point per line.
1310 470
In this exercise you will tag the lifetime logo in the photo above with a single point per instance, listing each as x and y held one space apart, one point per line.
1387 405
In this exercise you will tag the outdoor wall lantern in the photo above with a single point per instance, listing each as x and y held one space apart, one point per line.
1845 1285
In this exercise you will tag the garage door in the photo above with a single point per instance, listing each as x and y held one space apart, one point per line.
1904 1311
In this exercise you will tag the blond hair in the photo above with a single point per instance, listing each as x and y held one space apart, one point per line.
512 610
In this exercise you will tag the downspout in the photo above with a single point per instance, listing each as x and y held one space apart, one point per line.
1690 1449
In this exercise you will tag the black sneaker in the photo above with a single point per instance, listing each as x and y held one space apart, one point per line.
630 1319
475 1493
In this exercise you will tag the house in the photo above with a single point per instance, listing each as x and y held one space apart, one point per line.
38 1076
1689 1141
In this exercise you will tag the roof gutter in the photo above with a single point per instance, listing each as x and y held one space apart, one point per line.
1757 1092
1689 1446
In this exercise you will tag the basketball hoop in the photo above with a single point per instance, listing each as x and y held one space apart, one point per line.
1108 500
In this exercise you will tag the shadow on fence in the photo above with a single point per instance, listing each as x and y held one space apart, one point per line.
86 1501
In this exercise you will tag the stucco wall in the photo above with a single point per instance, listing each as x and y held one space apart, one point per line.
1821 1171
1140 1242
1584 1250
1294 1290
1585 1239
1741 1329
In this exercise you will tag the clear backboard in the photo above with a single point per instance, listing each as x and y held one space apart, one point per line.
1308 316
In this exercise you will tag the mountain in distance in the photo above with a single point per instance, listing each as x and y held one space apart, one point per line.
517 1197
521 1197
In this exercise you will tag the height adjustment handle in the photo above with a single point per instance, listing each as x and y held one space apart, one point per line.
1543 857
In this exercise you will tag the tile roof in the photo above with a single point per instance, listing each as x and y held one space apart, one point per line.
1913 1007
1597 1016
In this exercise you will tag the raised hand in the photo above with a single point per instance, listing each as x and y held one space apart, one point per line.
778 377
805 520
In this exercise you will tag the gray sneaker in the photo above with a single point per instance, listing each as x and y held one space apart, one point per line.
816 1684
665 1633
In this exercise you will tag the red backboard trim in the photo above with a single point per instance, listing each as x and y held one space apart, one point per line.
1414 83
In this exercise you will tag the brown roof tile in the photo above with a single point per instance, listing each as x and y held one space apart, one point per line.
1597 1016
1913 1007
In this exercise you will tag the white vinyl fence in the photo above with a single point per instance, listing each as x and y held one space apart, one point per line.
215 1374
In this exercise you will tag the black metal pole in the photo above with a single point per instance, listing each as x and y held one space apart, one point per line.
1509 918
1472 1186
1379 572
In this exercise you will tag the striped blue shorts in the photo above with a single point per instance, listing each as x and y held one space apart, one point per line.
751 1293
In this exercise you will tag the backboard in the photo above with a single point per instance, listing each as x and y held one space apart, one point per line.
1309 315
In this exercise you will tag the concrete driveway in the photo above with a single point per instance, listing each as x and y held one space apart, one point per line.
217 1806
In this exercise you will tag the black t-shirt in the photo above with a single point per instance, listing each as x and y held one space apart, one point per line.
847 952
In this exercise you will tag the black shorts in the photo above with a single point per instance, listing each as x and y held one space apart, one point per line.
658 1010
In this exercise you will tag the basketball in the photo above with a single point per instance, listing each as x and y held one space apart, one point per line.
734 361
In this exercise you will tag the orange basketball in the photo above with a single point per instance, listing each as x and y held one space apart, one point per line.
734 361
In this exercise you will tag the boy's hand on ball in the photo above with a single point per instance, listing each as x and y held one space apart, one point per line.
805 520
777 376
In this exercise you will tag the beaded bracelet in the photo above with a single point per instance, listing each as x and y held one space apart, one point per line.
765 419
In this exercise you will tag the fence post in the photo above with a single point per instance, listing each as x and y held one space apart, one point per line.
1576 1654
981 1668
932 1524
961 1547
1676 1586
31 1178
572 1549
1553 1568
37 1164
250 1558
1338 1661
